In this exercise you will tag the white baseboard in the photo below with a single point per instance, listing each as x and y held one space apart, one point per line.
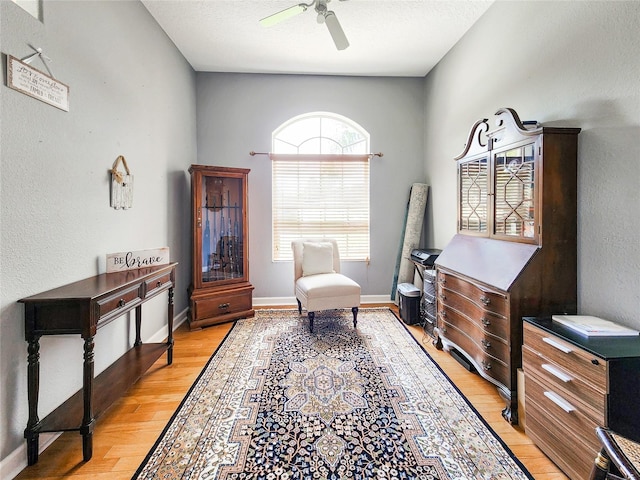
16 461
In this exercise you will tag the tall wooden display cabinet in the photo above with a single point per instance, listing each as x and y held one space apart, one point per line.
220 290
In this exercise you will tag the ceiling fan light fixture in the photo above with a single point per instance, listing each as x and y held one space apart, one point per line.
337 34
324 15
321 8
283 15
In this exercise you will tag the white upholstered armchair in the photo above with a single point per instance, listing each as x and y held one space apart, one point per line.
319 285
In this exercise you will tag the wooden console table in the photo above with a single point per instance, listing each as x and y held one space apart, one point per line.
82 308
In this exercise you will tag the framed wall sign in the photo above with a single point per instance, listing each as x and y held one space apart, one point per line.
31 81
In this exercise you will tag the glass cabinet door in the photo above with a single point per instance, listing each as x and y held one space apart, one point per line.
473 178
222 229
514 190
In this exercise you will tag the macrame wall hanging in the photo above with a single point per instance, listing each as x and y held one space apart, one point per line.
121 185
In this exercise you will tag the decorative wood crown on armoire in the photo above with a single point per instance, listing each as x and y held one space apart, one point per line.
220 290
515 251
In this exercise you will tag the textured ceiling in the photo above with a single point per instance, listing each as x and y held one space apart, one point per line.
387 37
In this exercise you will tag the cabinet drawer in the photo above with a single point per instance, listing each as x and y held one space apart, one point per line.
585 366
119 303
496 346
222 305
560 411
157 284
563 380
483 297
491 366
573 456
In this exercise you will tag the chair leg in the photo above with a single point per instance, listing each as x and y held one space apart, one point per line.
299 307
355 316
311 316
600 466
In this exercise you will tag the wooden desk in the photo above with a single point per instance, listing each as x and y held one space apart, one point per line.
83 308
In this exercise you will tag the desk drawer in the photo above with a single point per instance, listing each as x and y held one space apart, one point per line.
484 320
574 457
494 345
119 303
157 284
491 366
483 297
557 410
589 368
563 380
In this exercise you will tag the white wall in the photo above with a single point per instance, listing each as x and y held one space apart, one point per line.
131 93
238 112
572 64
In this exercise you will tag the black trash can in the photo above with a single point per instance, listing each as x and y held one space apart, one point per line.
409 303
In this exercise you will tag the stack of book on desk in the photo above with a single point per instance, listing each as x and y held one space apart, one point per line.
593 326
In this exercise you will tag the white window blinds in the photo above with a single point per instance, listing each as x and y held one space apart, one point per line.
320 195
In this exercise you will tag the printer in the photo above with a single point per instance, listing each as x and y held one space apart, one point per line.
425 257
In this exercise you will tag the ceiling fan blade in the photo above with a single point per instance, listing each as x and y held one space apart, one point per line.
339 38
283 15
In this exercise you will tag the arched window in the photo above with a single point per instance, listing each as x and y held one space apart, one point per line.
320 174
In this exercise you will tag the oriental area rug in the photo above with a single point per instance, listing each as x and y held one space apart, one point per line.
278 402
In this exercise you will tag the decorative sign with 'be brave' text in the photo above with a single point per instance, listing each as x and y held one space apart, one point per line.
119 262
30 81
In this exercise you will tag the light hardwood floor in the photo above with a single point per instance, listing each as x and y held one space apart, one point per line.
126 432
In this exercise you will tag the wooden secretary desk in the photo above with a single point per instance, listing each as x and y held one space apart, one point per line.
83 308
515 251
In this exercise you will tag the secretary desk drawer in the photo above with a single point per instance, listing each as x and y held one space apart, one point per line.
589 368
490 365
489 322
481 296
495 345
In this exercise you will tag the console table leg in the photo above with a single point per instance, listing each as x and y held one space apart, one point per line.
33 445
86 429
138 341
33 384
170 327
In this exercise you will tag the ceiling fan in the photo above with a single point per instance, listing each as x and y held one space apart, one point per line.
328 17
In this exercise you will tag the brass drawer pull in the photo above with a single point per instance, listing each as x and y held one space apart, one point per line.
486 345
485 321
486 365
557 345
159 284
121 303
559 401
485 300
223 306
